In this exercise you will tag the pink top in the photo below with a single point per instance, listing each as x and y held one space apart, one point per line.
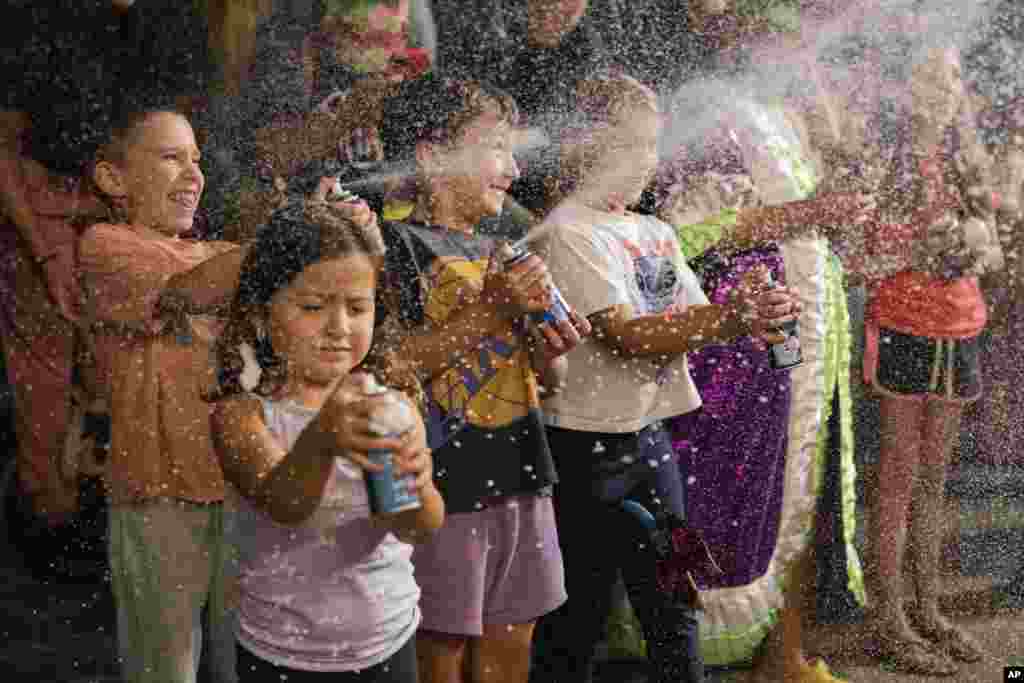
335 593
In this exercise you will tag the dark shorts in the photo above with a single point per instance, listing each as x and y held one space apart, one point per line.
911 366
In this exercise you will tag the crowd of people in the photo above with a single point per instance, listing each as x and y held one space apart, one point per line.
597 254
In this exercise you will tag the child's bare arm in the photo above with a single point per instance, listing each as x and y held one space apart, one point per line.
752 313
131 282
207 288
210 286
666 336
831 213
286 486
435 348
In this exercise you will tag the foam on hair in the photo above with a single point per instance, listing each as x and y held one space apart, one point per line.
436 109
603 102
610 98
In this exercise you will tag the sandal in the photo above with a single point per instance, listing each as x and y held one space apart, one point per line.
914 657
952 640
818 672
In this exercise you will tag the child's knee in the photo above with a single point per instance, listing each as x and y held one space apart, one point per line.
511 635
440 657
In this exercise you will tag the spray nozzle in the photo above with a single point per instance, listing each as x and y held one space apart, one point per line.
338 193
372 387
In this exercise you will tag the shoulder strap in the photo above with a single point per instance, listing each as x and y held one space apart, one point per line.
404 232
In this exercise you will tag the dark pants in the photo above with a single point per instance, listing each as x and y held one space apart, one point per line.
75 551
599 540
399 668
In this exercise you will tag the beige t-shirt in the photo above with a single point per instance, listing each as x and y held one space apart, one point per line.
600 260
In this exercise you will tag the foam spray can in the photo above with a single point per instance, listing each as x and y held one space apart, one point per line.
558 310
387 494
788 353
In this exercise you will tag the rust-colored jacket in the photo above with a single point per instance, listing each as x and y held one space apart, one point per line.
37 216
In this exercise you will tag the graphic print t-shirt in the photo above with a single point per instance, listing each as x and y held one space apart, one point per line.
484 421
600 260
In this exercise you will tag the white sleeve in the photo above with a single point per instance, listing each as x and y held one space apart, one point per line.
586 270
691 289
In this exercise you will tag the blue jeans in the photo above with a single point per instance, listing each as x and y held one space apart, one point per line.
599 540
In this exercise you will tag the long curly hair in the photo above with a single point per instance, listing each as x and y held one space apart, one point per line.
301 234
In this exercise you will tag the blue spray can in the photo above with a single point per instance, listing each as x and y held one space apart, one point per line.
558 310
389 495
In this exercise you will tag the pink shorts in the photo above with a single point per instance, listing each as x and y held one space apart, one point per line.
501 565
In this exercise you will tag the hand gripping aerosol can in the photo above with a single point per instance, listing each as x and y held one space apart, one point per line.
338 193
786 354
510 255
387 494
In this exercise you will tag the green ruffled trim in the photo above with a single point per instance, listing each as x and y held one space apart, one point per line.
624 636
837 373
696 238
737 648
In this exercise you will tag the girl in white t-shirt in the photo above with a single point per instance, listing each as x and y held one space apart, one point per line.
624 271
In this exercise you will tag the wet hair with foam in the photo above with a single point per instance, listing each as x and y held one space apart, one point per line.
298 235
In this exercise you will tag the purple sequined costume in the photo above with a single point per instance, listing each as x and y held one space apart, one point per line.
735 448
